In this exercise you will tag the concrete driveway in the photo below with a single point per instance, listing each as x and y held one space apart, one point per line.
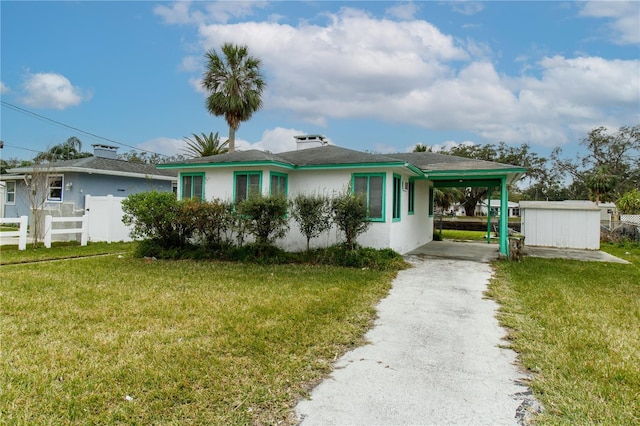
433 358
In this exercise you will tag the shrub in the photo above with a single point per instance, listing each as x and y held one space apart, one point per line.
629 203
350 214
213 221
266 217
312 213
155 215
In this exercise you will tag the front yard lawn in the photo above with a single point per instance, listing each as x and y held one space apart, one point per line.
108 340
576 327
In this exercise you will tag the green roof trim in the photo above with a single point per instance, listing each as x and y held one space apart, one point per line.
221 165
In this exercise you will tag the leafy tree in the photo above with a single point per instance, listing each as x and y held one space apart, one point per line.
235 84
205 145
422 148
610 166
313 214
350 214
145 157
267 216
501 153
12 163
445 198
629 203
69 150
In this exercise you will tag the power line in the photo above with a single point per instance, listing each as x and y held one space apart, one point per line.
42 117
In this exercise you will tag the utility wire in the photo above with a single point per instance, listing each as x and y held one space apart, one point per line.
42 117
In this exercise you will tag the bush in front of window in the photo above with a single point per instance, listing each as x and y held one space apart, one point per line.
266 217
350 214
312 212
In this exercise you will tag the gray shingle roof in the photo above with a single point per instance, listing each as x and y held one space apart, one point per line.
431 161
104 165
331 155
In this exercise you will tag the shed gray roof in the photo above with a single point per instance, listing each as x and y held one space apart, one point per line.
102 166
431 161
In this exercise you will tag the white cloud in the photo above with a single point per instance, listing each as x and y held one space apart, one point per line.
4 88
166 146
405 11
467 7
191 63
623 15
181 12
357 66
273 140
51 90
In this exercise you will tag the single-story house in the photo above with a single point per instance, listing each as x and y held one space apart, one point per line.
512 208
398 187
69 181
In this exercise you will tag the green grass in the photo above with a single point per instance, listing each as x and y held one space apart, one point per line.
576 327
60 250
189 342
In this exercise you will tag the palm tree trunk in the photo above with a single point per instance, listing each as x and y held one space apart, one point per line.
232 139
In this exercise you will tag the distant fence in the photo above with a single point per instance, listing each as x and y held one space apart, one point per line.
21 233
633 219
50 230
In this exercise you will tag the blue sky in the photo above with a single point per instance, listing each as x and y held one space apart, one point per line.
369 75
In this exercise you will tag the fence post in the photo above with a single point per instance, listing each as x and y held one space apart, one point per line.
48 223
85 230
22 238
109 218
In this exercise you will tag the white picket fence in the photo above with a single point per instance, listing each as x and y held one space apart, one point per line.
21 233
50 230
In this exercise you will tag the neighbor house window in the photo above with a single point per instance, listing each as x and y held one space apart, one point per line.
412 196
246 183
278 184
397 191
192 186
371 185
431 201
10 189
55 184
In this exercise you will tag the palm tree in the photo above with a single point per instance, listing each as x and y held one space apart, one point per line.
235 85
69 150
205 145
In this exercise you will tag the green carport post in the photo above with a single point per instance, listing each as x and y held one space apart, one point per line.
489 215
504 218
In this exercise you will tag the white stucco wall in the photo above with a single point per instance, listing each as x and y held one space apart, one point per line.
410 232
561 224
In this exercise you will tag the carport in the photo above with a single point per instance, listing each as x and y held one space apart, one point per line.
447 171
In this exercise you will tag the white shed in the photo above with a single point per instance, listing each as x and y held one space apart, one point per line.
563 224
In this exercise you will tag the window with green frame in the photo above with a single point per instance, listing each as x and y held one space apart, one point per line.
412 197
431 201
279 182
192 186
246 183
371 185
397 193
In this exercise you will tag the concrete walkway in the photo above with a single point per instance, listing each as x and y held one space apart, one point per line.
433 358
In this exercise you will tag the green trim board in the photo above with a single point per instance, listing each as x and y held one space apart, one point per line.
282 183
193 185
411 197
248 184
396 212
221 165
365 186
466 183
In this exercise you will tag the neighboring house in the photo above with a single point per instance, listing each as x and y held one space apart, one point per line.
398 187
71 180
481 209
